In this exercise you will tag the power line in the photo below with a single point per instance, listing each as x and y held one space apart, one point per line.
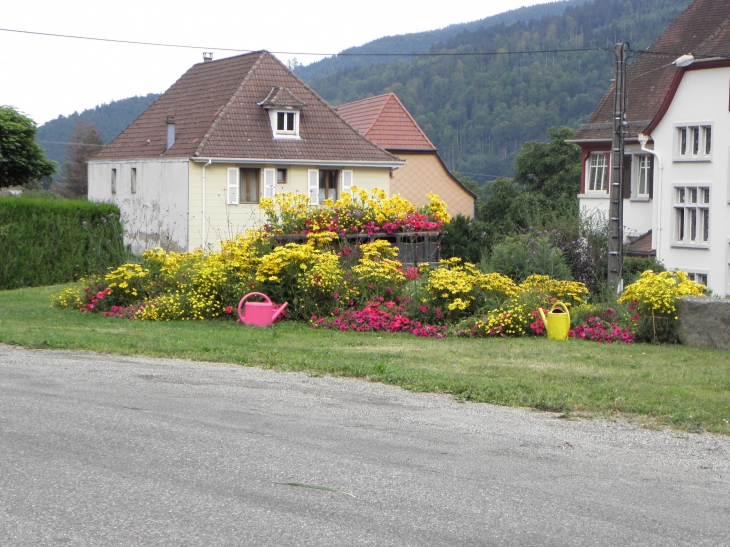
678 54
478 53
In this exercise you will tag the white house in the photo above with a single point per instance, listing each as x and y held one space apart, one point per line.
676 158
190 171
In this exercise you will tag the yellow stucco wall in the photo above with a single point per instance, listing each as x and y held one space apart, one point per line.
424 173
223 221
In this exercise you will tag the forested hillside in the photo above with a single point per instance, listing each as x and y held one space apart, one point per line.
418 42
109 120
479 109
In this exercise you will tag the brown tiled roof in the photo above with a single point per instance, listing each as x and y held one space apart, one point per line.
703 29
641 246
385 121
217 114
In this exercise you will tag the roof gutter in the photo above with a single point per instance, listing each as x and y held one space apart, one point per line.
203 231
643 139
325 163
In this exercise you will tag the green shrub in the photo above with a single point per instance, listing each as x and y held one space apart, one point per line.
526 255
465 238
634 266
43 241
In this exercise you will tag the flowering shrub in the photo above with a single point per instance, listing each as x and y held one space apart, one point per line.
510 320
538 326
378 316
127 282
461 289
658 293
306 277
356 212
654 298
546 289
602 332
376 273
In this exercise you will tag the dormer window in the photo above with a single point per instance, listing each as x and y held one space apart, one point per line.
284 110
285 122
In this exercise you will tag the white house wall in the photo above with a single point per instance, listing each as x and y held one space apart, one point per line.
156 214
702 97
637 212
222 221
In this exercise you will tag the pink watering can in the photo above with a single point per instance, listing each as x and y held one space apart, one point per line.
259 314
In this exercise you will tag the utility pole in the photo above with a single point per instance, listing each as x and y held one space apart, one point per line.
616 208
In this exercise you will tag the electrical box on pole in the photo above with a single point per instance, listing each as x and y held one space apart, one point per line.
616 206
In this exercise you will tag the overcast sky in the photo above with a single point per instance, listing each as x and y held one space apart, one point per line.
45 77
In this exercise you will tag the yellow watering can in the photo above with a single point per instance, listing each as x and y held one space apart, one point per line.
557 322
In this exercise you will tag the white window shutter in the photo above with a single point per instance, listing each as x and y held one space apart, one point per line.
313 186
233 187
347 177
269 183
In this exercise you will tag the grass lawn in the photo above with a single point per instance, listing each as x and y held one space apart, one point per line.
682 387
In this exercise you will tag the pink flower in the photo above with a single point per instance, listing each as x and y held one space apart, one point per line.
100 295
229 310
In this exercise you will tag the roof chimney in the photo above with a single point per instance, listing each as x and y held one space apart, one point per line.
207 56
170 132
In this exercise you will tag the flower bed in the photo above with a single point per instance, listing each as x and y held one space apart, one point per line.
361 287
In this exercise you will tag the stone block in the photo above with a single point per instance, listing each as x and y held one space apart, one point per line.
704 322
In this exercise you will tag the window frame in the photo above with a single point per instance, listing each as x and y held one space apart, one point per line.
284 179
244 179
693 141
703 275
114 181
133 180
285 133
331 178
691 215
638 169
590 169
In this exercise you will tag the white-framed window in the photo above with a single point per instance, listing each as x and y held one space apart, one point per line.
133 180
328 182
249 187
642 176
597 172
692 215
281 174
698 277
322 184
284 123
114 181
693 142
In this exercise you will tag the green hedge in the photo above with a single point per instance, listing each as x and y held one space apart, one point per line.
44 242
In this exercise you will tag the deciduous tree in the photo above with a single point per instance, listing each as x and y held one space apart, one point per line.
22 160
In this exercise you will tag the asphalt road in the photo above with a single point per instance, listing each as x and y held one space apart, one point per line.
106 450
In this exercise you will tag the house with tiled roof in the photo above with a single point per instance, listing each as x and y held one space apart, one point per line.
676 164
190 170
386 121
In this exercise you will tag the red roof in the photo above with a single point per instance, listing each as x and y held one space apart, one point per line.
385 121
703 29
217 111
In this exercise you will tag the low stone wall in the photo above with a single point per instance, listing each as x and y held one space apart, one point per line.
704 322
